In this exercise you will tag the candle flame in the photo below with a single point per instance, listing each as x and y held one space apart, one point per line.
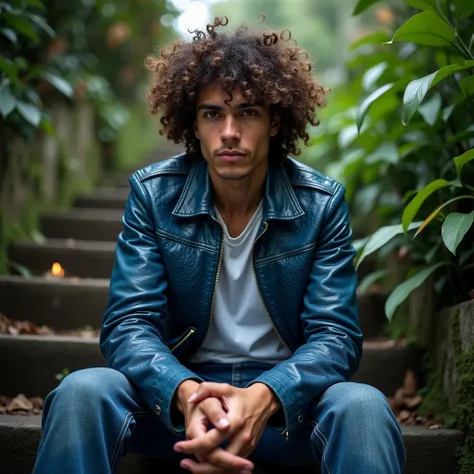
57 270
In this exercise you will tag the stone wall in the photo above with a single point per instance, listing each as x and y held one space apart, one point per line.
454 337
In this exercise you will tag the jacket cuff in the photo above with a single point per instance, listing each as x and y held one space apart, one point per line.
164 408
286 401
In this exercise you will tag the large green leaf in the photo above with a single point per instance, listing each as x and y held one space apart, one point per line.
61 84
362 5
463 8
417 89
423 5
30 112
414 205
7 101
402 291
425 28
41 22
370 279
380 237
430 109
373 74
461 160
455 227
438 210
22 27
467 86
369 101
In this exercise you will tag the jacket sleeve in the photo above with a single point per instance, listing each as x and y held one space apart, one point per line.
131 335
330 320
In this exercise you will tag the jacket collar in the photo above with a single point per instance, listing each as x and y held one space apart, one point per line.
279 201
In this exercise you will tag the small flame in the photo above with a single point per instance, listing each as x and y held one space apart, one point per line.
57 270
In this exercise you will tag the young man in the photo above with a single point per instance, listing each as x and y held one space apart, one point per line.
232 328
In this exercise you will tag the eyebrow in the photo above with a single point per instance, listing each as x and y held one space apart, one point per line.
219 108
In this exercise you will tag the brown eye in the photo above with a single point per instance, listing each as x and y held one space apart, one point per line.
249 112
211 114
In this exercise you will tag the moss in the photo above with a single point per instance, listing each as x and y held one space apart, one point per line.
464 414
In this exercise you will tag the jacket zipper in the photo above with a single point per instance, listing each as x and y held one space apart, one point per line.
185 338
219 265
285 432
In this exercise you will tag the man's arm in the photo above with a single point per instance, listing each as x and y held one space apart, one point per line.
131 335
333 347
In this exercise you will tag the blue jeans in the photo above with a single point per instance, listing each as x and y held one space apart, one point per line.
96 416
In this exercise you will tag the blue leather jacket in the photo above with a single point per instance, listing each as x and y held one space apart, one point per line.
168 258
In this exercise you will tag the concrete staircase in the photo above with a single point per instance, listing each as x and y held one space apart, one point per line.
83 241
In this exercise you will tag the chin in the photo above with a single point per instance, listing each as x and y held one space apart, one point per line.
233 175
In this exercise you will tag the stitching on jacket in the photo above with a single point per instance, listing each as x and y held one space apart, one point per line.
184 241
185 189
290 253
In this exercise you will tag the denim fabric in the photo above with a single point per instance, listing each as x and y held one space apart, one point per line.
96 416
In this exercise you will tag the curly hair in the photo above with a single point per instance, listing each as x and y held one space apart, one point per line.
267 66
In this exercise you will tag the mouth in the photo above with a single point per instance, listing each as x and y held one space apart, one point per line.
231 156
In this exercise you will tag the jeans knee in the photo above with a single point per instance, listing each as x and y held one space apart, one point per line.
358 400
87 386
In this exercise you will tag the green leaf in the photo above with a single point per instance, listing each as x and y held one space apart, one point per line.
460 161
430 109
425 28
10 34
438 210
410 211
370 279
402 291
30 112
61 84
22 27
369 101
380 237
455 227
37 3
379 37
372 75
417 89
5 6
10 69
467 86
7 101
362 5
463 8
41 22
423 5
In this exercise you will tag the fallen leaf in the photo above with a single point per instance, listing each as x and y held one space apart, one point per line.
20 402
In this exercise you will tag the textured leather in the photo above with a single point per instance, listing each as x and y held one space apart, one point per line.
167 261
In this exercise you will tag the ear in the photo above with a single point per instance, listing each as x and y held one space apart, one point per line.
275 125
196 132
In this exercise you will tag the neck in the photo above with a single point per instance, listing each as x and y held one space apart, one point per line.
239 198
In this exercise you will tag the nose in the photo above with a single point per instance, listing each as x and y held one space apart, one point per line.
230 131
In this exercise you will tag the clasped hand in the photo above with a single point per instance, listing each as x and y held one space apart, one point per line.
217 412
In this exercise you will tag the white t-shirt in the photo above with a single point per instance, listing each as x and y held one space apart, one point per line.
241 329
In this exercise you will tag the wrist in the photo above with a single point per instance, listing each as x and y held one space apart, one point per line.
183 392
266 396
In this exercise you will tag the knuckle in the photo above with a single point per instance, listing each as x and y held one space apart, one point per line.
247 438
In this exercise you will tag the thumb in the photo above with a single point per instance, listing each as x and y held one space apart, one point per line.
215 413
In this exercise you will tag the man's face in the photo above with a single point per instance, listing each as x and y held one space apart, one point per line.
234 137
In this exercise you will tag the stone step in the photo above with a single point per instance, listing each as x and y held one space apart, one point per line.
428 451
83 224
103 198
71 303
60 303
87 259
37 360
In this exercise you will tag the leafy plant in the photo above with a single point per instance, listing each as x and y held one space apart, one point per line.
403 131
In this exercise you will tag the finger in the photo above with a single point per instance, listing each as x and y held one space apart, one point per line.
210 389
204 443
228 461
212 409
208 468
242 444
